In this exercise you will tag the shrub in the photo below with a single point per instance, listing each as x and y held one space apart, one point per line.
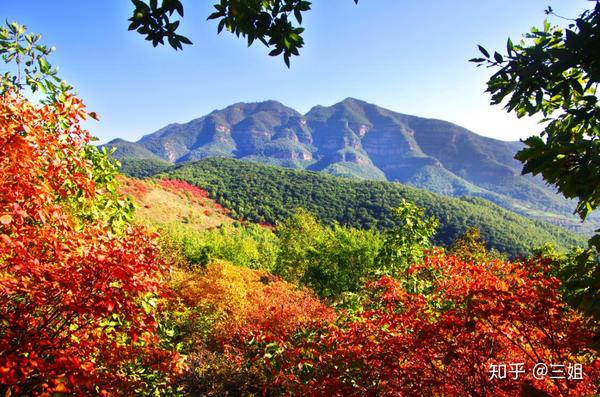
443 340
329 260
232 304
249 246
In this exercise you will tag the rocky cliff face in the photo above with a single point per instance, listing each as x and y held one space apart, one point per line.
356 139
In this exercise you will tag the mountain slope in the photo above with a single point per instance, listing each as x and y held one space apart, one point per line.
126 150
263 193
357 139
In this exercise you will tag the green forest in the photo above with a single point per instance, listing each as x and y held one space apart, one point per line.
268 194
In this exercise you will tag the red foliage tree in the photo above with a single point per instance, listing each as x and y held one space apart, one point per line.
72 312
458 323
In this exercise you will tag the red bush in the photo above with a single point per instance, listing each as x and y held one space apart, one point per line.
446 339
133 187
178 186
71 314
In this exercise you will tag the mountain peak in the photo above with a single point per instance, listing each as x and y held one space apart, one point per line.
118 141
353 101
263 106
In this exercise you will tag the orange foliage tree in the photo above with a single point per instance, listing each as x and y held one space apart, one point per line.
75 314
234 304
452 328
245 301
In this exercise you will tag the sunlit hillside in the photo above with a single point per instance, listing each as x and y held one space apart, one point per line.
161 202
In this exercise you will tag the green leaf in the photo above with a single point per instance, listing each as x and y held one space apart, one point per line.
484 51
184 40
44 65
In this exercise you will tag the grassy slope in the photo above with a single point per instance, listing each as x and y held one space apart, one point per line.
160 205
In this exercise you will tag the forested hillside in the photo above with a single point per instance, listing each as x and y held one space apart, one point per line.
262 193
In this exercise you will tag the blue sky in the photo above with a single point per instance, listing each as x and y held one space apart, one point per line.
410 56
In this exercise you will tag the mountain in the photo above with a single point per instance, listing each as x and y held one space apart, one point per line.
361 140
268 194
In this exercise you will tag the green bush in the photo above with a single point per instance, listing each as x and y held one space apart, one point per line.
330 260
250 246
